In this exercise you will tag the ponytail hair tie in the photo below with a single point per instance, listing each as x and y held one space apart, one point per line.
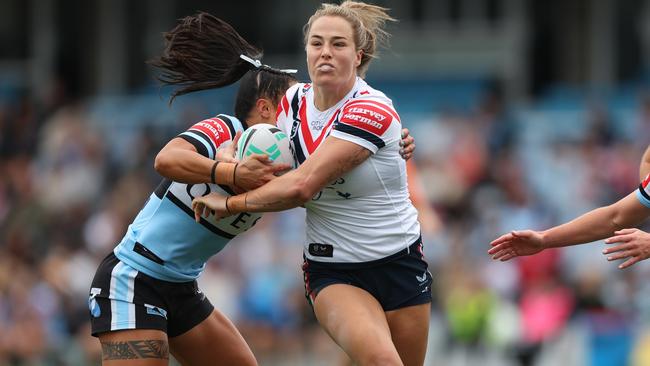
258 64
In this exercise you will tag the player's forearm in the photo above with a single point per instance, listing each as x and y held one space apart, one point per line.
186 166
287 191
333 159
594 225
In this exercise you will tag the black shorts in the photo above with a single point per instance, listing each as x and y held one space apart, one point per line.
124 298
397 281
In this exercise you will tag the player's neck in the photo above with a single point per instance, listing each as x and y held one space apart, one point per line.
325 97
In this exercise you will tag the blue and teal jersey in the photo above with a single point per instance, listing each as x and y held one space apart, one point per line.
164 241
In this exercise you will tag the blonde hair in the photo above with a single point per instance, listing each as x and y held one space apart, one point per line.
367 23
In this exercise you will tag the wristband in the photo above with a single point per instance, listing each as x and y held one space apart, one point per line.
234 174
224 173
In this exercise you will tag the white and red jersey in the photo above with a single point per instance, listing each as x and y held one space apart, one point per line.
366 214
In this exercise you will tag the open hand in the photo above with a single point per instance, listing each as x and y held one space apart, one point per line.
631 244
212 203
256 170
227 153
516 244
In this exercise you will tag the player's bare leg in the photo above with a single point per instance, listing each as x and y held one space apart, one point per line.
215 341
409 327
357 323
137 347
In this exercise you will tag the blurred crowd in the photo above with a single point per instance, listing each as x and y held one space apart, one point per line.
73 178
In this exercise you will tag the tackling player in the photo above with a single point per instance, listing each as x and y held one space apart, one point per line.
144 300
364 270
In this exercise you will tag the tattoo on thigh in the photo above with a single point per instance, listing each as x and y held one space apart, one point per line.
129 350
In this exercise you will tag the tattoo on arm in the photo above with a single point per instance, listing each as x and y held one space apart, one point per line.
129 350
349 163
342 165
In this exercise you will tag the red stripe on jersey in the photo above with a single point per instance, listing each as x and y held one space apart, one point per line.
282 107
215 129
364 92
278 111
646 181
306 132
367 117
285 104
385 106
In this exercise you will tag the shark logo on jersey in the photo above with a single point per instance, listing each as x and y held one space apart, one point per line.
94 308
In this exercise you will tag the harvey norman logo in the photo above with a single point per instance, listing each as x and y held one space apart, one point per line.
366 117
358 118
376 115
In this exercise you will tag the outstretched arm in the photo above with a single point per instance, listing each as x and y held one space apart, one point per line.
631 244
332 159
594 225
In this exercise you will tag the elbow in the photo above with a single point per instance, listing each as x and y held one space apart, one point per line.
616 224
621 219
162 164
301 192
615 219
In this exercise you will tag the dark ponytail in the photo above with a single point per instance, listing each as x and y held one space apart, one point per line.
203 52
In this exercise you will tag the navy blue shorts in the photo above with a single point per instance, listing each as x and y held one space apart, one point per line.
123 298
397 281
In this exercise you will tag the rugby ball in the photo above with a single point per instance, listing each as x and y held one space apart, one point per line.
264 138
